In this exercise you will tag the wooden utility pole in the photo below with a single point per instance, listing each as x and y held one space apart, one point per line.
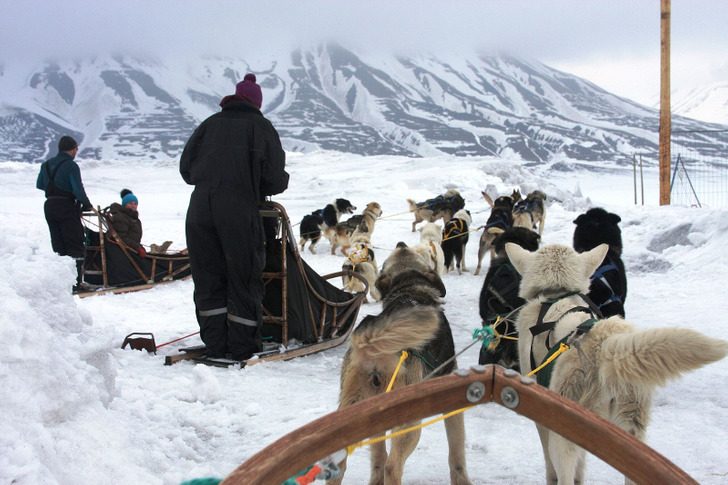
665 115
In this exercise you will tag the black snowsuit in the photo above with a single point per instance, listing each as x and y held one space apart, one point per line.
234 159
60 179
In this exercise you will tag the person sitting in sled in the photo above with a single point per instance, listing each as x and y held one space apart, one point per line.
125 221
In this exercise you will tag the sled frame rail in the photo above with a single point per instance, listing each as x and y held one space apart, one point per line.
482 384
340 311
108 235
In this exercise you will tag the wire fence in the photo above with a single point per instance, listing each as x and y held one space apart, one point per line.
698 180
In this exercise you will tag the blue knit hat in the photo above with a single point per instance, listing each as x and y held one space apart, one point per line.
127 196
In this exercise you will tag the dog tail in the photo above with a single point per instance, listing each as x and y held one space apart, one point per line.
412 205
652 357
390 334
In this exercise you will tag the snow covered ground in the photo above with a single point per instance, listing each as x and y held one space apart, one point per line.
76 409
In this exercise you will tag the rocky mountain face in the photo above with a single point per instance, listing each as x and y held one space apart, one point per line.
331 98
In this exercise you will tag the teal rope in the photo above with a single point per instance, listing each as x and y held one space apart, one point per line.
485 334
202 481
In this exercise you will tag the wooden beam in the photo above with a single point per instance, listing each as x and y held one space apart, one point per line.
665 114
371 417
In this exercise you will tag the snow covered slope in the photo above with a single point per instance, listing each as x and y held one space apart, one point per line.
76 409
332 98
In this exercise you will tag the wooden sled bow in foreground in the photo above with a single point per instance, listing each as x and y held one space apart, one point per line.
482 384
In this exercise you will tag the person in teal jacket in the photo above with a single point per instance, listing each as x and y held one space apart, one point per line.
60 179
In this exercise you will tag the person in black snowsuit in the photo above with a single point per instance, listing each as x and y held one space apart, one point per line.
234 159
608 289
60 179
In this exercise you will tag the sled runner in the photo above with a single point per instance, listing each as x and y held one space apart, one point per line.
110 266
302 312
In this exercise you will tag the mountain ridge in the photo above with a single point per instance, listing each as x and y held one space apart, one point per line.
331 98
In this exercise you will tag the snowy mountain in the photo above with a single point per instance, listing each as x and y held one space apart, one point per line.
331 98
709 103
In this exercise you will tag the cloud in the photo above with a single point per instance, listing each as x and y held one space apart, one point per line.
586 35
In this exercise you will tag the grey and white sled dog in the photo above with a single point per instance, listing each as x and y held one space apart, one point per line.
412 319
616 367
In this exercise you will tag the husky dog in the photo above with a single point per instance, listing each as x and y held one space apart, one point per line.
411 319
455 239
344 233
530 212
500 219
361 260
323 220
608 288
615 367
441 207
499 298
430 248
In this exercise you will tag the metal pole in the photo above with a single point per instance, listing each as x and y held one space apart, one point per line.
642 182
634 177
665 119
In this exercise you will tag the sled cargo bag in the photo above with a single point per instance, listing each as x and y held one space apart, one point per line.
314 304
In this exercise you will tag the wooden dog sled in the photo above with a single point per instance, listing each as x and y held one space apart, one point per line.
110 266
482 384
302 312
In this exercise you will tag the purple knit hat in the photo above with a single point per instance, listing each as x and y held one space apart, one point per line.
248 89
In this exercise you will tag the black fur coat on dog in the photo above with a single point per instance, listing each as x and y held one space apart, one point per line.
608 288
499 297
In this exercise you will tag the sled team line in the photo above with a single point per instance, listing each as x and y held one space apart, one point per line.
586 379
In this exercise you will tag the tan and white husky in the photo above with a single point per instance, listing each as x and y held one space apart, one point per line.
613 368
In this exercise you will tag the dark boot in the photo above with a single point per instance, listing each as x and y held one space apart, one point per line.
213 331
243 339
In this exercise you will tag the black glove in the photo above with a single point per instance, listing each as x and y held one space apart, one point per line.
87 207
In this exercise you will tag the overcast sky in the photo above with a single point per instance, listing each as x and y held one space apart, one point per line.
614 43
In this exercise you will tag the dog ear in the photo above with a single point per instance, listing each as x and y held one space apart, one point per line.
487 198
593 259
383 283
519 257
435 279
614 218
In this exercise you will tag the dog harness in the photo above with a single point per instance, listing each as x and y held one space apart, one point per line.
454 225
542 327
500 219
599 276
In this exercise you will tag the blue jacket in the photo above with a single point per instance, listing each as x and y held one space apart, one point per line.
67 178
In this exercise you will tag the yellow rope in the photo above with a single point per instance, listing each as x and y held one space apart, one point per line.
350 449
499 335
402 358
562 348
461 234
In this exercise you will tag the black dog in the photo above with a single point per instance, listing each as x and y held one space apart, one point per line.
323 220
608 288
499 297
455 238
500 219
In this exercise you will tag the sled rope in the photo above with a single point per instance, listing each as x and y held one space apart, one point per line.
401 432
461 234
402 358
562 348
